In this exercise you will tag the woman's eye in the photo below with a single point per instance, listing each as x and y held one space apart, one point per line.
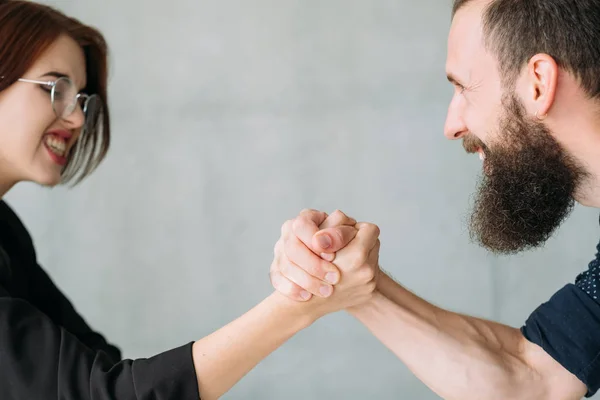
46 88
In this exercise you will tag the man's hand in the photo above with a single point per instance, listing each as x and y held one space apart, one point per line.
306 257
311 271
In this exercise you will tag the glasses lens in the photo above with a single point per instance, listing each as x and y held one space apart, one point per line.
93 111
64 97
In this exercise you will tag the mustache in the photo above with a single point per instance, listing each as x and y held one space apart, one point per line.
472 144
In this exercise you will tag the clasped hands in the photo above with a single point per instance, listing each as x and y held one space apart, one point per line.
328 262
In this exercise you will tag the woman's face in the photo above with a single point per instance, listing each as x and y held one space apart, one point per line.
34 142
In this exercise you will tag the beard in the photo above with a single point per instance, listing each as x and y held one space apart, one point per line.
528 187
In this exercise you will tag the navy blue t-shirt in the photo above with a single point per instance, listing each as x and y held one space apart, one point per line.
567 326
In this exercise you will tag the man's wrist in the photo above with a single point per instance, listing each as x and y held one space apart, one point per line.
378 294
369 305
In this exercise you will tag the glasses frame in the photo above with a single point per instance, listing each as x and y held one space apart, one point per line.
73 104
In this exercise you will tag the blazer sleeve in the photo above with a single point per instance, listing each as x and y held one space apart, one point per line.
41 360
49 299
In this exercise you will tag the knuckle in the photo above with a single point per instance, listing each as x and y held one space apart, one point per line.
377 230
312 268
292 248
298 223
369 228
312 285
356 264
321 267
338 213
285 228
273 278
299 281
307 212
316 268
371 287
284 268
278 246
358 257
275 265
340 217
373 229
290 289
367 274
280 283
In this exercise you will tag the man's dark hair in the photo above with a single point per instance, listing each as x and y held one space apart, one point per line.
566 30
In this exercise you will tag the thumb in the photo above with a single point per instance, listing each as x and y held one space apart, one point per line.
331 240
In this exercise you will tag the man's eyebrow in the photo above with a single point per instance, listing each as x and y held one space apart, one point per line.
453 79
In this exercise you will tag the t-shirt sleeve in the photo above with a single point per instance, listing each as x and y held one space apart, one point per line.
567 327
39 359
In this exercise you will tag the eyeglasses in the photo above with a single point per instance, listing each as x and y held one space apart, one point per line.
65 98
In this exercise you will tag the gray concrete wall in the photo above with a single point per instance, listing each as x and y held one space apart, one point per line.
229 118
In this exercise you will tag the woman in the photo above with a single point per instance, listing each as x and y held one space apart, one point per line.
54 128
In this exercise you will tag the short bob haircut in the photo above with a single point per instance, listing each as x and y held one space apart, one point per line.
27 29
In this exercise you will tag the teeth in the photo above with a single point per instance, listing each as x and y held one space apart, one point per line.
57 145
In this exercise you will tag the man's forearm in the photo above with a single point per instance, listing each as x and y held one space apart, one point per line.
457 356
227 355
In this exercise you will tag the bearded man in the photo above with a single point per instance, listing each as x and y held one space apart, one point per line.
526 75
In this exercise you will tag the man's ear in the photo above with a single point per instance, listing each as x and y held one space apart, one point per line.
541 81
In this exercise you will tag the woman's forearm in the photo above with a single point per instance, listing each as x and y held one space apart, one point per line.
227 355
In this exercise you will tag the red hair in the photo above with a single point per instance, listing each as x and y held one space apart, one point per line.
27 29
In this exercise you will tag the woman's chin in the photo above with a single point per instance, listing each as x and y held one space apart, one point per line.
49 180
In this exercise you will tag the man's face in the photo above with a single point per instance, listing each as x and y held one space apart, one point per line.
529 180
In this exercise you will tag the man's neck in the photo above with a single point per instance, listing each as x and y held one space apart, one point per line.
580 135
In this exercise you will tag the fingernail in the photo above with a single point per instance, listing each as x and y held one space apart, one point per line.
324 241
331 277
327 256
305 295
325 290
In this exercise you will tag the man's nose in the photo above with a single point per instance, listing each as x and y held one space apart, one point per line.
455 127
